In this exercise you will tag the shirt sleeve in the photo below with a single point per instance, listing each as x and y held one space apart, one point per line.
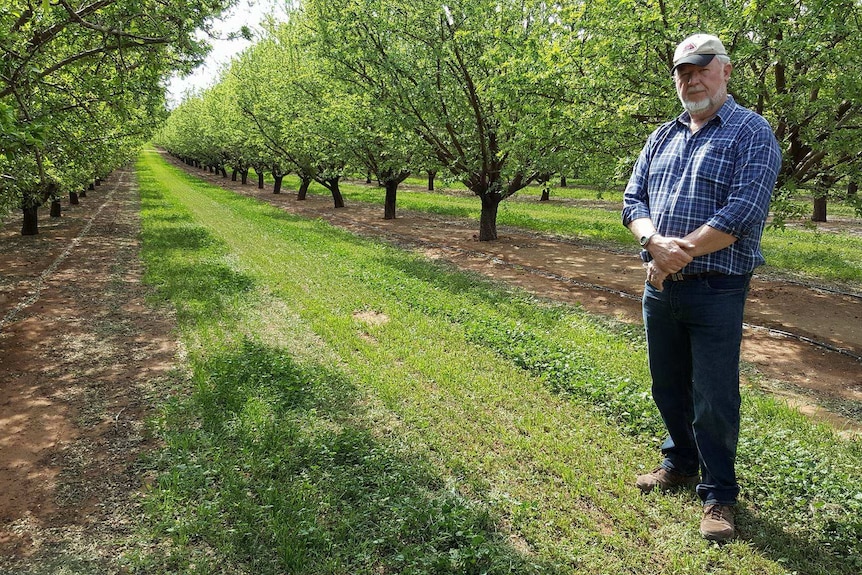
756 170
636 197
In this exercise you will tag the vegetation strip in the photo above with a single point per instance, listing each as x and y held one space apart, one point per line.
354 408
596 287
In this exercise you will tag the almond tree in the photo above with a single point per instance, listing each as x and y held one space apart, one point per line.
460 75
797 63
300 114
800 65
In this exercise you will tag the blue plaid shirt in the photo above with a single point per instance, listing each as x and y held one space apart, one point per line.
722 176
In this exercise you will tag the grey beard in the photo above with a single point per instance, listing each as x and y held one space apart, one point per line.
695 107
706 104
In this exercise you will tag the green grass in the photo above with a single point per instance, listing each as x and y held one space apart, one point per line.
352 408
833 257
808 253
572 191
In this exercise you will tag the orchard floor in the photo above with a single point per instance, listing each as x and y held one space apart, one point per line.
83 357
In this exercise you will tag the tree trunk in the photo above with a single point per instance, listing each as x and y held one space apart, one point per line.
73 198
31 221
488 219
260 180
852 190
431 175
819 214
98 181
244 176
233 175
389 202
91 186
82 193
56 208
276 187
303 188
337 198
562 181
546 195
222 171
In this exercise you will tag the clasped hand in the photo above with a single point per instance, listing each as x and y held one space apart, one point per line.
669 255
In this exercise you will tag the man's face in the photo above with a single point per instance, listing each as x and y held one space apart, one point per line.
702 89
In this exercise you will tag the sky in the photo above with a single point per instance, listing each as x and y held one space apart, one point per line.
246 13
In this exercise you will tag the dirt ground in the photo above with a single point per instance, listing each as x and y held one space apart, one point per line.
82 356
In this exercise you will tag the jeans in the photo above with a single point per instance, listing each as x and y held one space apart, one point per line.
694 333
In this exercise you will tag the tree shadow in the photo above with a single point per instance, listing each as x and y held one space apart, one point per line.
278 468
184 264
795 552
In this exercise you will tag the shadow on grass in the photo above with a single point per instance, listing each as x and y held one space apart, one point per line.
185 264
795 553
272 467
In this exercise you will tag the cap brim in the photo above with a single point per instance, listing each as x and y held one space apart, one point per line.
696 59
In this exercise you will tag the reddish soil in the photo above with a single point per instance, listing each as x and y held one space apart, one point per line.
83 357
81 360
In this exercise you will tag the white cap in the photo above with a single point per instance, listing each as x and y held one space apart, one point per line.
698 49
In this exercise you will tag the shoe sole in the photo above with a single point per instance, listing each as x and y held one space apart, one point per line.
717 538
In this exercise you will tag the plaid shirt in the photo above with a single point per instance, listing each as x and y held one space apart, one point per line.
722 176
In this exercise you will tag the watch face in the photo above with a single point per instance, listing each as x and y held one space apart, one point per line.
643 240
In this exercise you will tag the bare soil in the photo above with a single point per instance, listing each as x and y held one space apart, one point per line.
84 358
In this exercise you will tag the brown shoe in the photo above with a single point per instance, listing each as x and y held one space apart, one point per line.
718 523
665 479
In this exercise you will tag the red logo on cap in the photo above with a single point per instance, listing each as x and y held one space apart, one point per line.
689 46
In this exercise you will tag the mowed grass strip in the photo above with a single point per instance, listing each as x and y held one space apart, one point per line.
352 408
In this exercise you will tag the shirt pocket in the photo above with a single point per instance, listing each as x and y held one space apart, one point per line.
712 167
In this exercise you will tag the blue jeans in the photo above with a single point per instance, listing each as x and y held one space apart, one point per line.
694 332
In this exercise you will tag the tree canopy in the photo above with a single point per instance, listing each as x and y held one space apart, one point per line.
82 84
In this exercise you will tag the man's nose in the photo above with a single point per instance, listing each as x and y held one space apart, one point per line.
694 78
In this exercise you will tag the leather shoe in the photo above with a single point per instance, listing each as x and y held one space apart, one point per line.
718 522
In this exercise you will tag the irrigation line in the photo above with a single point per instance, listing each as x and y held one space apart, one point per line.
597 287
41 282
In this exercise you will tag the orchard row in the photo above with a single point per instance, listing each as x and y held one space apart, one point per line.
500 94
82 87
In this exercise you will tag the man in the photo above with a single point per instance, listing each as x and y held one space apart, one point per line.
697 201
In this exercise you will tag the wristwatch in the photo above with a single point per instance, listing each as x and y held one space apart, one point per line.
645 239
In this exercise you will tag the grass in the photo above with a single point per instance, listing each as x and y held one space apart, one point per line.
805 252
351 408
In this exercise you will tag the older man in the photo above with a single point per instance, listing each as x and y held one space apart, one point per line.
697 201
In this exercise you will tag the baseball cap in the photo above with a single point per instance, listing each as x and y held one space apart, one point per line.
698 49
